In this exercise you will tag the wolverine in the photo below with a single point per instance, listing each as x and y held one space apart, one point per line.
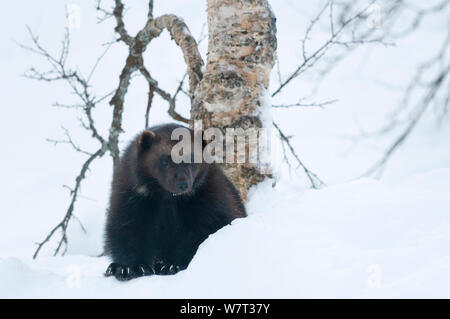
160 211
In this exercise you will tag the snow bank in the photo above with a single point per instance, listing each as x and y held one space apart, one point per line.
359 239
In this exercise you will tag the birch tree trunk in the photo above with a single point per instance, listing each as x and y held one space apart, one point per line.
241 53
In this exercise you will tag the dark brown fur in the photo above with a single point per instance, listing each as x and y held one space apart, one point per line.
148 229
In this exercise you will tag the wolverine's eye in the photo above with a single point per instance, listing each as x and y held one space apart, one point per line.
164 160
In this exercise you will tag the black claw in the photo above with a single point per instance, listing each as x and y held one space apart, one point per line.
120 273
141 269
124 272
153 270
111 269
167 269
145 270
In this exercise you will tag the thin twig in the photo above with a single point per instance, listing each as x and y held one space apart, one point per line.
315 181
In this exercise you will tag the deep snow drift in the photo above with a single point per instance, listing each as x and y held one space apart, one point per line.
358 239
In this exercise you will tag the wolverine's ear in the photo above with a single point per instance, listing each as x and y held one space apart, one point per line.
146 139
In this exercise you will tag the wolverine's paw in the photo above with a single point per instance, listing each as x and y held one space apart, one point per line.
128 272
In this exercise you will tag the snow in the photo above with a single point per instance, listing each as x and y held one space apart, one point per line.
266 109
358 239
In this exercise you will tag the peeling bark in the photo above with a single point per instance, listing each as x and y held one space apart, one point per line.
241 53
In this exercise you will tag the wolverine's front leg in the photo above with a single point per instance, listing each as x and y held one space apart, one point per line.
179 257
127 252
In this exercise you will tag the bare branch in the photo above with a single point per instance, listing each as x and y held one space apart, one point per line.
180 87
300 104
183 38
151 91
64 223
98 61
311 59
200 39
105 13
166 96
315 181
81 89
120 25
431 90
150 10
69 141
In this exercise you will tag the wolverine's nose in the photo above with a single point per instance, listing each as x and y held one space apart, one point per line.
182 186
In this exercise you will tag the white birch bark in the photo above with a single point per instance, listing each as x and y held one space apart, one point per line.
241 53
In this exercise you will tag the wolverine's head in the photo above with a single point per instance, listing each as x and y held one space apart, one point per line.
176 172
